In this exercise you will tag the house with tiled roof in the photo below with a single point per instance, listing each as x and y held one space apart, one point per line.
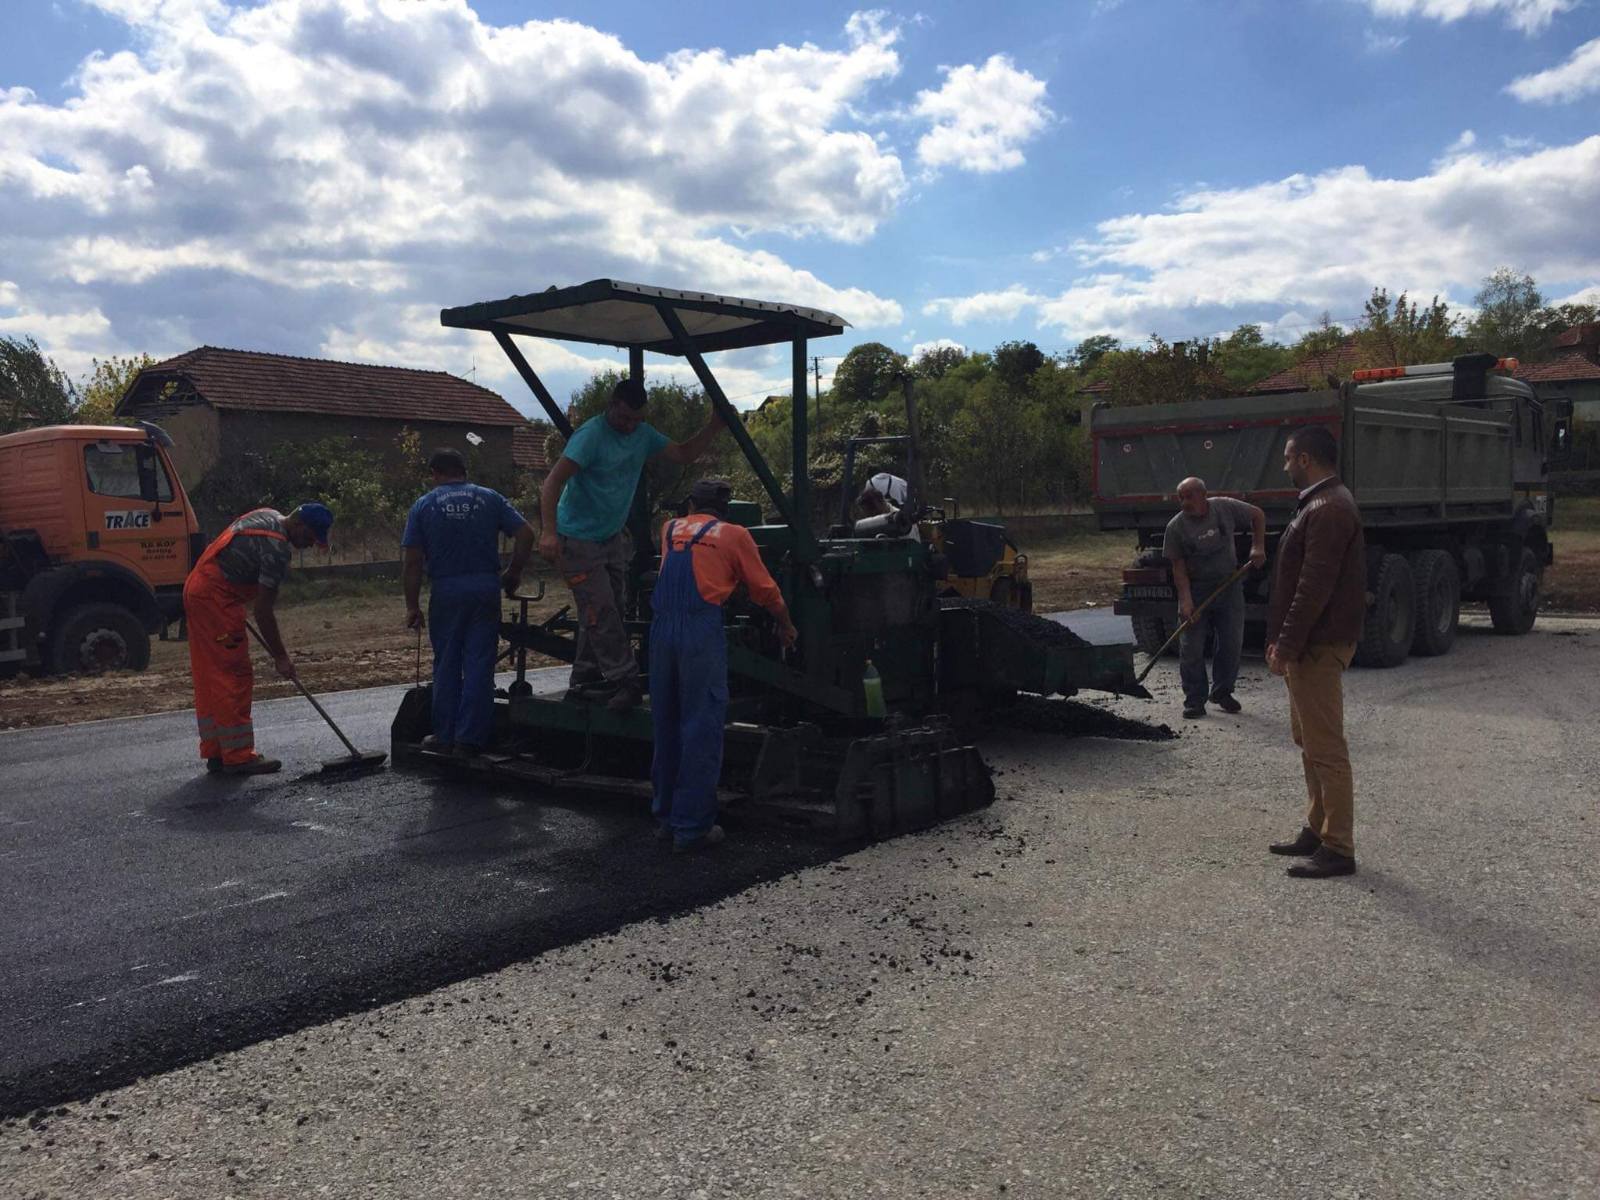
217 403
1570 368
1325 368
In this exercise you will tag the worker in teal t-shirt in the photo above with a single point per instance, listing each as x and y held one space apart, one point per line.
589 491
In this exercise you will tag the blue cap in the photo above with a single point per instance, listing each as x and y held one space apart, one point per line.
318 518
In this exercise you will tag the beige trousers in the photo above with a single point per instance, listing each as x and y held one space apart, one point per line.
1316 719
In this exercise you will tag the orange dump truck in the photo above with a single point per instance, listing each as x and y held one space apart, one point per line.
96 537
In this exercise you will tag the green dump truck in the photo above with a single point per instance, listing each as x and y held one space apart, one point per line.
1449 462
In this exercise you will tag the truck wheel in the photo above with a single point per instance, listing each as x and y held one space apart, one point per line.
1150 633
1438 601
1002 591
1514 613
1391 621
94 638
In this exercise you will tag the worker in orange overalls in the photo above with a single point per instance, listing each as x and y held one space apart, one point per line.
247 563
704 559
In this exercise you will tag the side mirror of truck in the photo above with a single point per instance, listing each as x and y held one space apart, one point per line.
1561 440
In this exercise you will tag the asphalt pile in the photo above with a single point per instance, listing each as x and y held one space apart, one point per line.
1038 629
1073 718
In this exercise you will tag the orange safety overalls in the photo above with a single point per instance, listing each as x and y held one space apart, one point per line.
219 653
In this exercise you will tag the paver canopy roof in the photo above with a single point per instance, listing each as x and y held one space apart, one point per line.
612 313
248 380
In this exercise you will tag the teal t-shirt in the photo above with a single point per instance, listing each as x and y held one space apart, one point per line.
594 504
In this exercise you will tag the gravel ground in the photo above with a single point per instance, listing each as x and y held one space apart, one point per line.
1102 986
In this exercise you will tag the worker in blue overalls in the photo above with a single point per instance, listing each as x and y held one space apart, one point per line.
454 532
704 558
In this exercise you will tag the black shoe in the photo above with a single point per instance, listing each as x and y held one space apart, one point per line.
711 837
1324 864
1304 845
434 744
214 766
1192 711
256 764
625 697
1226 702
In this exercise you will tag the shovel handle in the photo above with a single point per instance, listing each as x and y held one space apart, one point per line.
295 679
1176 633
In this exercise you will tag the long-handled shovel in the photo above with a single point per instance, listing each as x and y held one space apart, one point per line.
357 759
1193 617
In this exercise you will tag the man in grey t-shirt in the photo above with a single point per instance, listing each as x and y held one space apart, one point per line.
1199 544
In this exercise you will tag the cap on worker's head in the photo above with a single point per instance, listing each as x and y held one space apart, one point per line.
630 392
316 517
711 495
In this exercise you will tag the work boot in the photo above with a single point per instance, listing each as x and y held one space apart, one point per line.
711 837
1324 864
1305 844
254 765
625 697
434 744
1226 702
214 765
1193 711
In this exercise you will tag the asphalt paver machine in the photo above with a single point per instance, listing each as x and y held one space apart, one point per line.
807 740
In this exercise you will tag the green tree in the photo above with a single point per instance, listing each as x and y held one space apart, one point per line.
1016 363
1321 338
865 375
33 390
1088 353
1549 323
938 361
1507 321
107 382
1406 332
1246 357
1166 373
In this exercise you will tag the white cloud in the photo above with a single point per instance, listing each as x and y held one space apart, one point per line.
1383 43
324 175
984 306
1315 243
1530 16
1578 76
981 117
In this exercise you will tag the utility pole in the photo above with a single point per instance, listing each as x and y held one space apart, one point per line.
816 373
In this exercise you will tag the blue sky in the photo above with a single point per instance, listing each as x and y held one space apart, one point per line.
321 176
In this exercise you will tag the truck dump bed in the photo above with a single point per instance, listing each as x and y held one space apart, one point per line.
1410 453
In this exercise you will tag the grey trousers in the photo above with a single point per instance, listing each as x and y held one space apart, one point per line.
1225 618
597 574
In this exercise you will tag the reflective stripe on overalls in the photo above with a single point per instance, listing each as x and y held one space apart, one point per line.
688 693
219 653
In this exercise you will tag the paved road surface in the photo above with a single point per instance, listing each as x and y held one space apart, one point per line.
153 915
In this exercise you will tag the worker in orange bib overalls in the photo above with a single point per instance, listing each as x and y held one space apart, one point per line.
247 563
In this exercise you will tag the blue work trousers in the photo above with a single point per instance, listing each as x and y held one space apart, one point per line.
464 627
1225 619
689 706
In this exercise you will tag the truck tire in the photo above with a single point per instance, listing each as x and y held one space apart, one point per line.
1438 601
1150 633
93 638
1515 612
1002 591
1391 621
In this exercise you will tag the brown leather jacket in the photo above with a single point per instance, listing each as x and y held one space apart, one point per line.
1319 586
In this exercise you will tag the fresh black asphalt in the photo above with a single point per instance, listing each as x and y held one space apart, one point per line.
151 915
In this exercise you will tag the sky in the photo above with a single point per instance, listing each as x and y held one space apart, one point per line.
321 177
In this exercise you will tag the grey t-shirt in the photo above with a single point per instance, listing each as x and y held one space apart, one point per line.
253 559
1206 543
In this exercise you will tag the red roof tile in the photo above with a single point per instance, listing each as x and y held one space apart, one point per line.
1313 370
257 382
530 446
1571 366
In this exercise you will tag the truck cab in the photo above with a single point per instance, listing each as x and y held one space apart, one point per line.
96 539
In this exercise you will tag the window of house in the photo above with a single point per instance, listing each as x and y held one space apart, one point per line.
126 471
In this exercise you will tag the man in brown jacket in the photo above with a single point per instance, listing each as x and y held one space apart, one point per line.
1314 620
